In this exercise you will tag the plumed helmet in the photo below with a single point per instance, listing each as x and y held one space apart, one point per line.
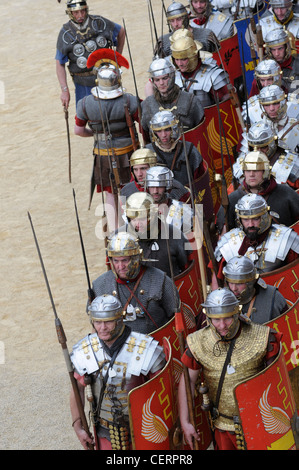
74 5
177 10
221 303
266 69
257 161
108 82
159 176
140 205
278 37
107 308
143 156
164 120
261 135
252 206
273 94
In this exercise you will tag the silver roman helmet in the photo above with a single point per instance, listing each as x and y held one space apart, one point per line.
253 206
159 176
108 82
222 303
278 37
273 94
161 67
107 308
177 10
261 136
241 270
164 120
282 4
73 5
268 69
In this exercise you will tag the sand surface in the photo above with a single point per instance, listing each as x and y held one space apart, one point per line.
34 383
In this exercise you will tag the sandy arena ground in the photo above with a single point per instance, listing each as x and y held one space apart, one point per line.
34 410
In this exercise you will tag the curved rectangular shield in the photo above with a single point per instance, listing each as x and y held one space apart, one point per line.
153 409
267 409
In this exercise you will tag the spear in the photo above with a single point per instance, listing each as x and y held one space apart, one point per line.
62 340
66 115
91 294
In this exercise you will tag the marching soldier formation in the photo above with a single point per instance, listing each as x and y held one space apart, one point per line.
155 162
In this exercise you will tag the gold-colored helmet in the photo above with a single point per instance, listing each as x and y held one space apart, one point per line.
140 205
143 156
125 244
256 161
186 48
180 33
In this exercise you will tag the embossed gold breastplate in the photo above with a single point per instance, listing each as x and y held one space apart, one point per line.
247 360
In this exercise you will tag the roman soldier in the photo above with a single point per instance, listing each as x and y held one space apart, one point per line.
280 14
270 246
146 293
166 94
111 361
196 73
229 350
204 16
284 163
260 302
108 115
279 45
165 133
78 38
163 245
177 17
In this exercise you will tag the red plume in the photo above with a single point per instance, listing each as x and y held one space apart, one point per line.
102 54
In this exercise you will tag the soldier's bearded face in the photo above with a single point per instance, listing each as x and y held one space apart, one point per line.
199 6
251 227
79 15
157 193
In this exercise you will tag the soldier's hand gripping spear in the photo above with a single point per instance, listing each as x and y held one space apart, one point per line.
62 340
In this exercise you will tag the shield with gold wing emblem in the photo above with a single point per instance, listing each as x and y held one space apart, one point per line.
267 410
153 409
